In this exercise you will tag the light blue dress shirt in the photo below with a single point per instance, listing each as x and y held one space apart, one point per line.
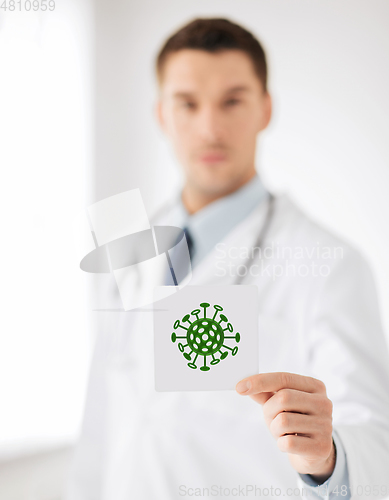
212 223
209 226
337 483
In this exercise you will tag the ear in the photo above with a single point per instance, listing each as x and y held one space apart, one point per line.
269 108
159 114
267 111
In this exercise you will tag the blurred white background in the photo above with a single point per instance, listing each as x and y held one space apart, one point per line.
77 124
45 150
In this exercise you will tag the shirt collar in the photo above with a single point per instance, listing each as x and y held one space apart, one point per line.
212 223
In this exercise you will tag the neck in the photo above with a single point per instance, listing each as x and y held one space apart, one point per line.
195 199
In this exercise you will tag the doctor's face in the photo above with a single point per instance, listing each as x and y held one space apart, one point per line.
211 107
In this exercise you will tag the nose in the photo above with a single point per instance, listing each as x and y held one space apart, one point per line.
210 124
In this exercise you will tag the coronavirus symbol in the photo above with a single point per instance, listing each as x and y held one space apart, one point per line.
205 336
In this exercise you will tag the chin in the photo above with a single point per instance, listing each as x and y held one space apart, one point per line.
216 185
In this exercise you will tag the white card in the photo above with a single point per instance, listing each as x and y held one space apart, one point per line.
205 337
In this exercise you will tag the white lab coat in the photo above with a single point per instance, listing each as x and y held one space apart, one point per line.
143 445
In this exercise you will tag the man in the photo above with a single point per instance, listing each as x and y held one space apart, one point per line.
323 389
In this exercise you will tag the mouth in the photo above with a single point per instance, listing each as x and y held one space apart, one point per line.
213 157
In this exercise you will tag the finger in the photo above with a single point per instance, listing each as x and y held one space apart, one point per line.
273 382
291 400
305 446
297 423
262 397
298 445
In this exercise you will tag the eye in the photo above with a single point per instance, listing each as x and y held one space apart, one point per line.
232 102
188 105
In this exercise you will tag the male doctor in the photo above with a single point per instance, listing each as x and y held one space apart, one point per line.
315 420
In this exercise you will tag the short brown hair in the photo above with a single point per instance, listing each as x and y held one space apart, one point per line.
215 35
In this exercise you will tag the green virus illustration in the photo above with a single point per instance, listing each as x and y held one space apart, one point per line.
205 336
